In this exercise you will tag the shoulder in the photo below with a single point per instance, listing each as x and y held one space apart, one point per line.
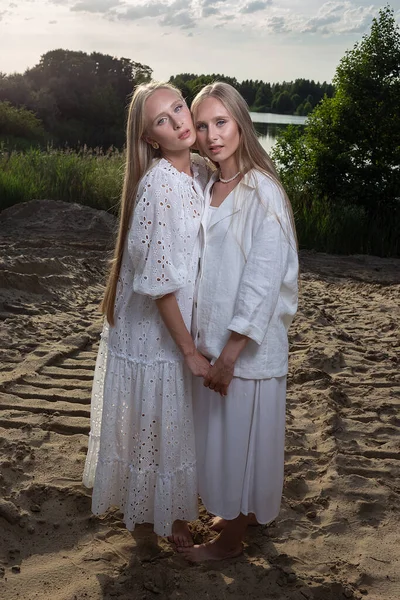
159 175
202 168
266 183
201 162
268 190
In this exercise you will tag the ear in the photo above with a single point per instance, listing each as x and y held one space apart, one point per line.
146 139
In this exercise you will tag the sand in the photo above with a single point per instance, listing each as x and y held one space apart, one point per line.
337 535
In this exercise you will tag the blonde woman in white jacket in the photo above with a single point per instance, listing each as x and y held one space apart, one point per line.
246 299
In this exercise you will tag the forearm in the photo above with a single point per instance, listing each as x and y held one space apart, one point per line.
233 347
172 317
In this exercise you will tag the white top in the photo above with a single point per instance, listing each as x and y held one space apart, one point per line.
161 256
210 211
248 277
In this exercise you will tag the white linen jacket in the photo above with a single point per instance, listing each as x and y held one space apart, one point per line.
248 277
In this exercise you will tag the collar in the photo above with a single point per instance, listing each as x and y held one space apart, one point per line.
250 179
167 166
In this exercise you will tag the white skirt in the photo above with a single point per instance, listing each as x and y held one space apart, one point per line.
141 454
240 441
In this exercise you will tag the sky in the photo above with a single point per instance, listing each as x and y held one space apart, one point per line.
271 40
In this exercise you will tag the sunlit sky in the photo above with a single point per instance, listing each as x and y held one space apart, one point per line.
272 40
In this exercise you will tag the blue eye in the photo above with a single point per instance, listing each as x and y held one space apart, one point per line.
178 108
200 126
160 121
221 122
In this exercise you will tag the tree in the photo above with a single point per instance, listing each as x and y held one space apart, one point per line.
263 98
283 103
79 97
19 128
353 139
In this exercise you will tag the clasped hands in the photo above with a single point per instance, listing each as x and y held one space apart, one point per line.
217 377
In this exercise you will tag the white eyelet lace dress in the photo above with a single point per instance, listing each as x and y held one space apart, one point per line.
141 454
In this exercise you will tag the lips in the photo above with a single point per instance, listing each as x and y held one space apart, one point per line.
215 149
184 135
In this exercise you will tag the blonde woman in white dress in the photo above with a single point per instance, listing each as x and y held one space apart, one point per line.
246 299
141 454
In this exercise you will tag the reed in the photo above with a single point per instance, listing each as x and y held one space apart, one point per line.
94 178
88 176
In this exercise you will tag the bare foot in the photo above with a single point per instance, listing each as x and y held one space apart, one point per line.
181 535
213 550
218 523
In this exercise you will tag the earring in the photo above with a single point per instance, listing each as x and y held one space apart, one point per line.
155 145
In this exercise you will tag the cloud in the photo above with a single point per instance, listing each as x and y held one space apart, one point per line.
332 17
255 6
151 9
208 11
339 17
176 14
211 2
95 6
278 24
182 19
356 20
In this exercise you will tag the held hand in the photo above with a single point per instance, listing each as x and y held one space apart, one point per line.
219 376
197 363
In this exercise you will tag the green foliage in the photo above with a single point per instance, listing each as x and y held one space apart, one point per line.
19 127
345 164
89 177
191 84
80 98
283 98
283 103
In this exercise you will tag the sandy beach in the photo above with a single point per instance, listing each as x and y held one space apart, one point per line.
338 532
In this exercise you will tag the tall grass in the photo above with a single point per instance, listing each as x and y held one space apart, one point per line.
94 178
344 229
90 177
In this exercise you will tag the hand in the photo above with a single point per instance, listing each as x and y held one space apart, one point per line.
197 363
219 376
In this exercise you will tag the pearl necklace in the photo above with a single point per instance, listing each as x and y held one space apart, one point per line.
230 179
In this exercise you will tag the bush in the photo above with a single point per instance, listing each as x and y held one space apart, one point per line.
19 128
89 177
343 169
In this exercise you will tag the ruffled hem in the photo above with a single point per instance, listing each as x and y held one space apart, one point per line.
92 456
147 496
141 454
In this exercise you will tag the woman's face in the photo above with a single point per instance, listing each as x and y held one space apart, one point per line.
168 121
217 133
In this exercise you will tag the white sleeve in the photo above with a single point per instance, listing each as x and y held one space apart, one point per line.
266 266
156 240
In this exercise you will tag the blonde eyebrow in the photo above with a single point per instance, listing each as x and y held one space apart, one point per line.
213 119
162 113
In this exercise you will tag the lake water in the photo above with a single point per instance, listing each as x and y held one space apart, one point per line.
269 125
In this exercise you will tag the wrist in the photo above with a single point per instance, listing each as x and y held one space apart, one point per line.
233 348
188 349
229 356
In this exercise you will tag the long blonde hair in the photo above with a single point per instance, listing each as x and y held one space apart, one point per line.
250 153
139 158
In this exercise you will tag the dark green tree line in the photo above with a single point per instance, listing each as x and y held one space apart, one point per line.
80 98
297 97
